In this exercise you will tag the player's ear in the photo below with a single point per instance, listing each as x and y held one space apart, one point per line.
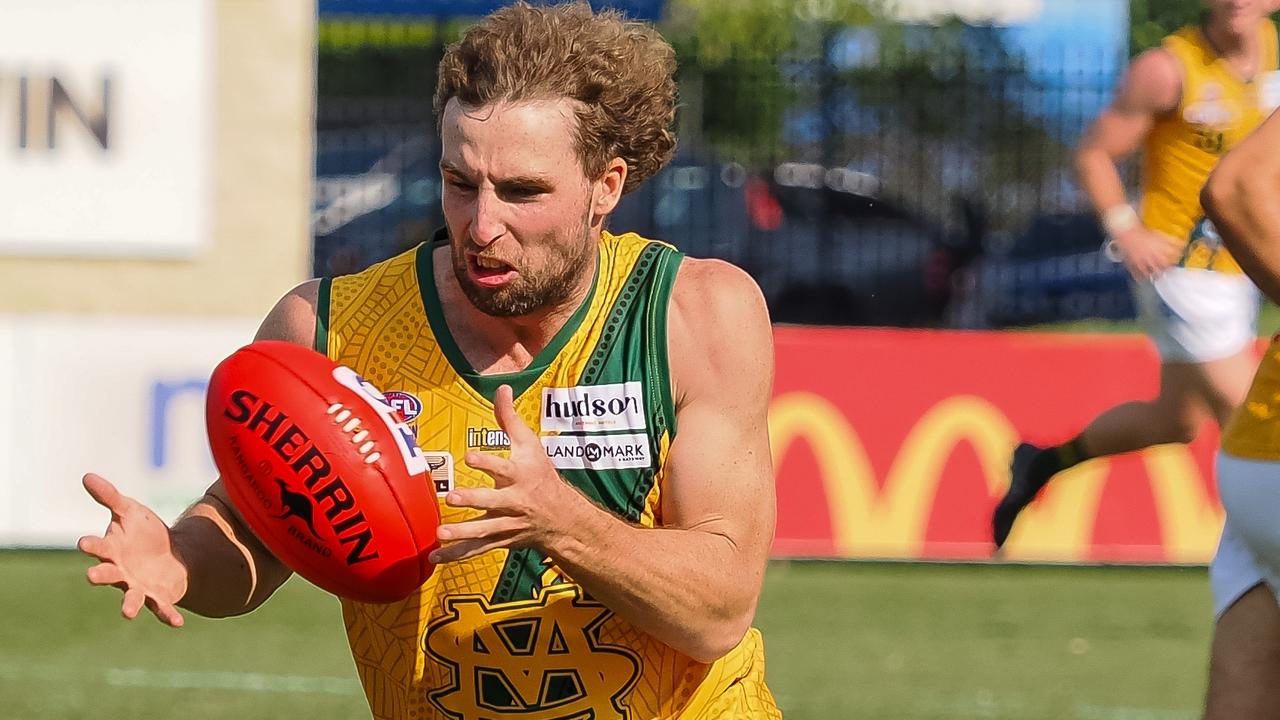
607 190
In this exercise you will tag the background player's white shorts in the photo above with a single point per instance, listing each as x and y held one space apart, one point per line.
1195 316
1249 550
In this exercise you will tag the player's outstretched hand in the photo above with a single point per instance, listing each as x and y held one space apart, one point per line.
1147 253
136 555
526 504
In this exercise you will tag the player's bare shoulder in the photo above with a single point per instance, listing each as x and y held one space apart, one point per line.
1152 84
718 327
293 319
712 297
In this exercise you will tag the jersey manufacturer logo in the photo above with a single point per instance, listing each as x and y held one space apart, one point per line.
484 438
587 408
542 656
598 452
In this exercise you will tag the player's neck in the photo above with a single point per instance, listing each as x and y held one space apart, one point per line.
494 344
1238 49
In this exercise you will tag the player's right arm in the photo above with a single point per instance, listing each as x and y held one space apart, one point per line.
208 562
1242 198
1151 87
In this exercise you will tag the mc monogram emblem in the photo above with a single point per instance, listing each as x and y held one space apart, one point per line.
542 657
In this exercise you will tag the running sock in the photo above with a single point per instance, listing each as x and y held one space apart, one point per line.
1052 460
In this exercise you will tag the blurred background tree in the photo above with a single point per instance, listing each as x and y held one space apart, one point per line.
735 56
1151 20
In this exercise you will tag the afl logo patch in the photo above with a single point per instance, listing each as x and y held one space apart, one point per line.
407 405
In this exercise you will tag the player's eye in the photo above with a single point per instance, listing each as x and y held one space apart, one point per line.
522 192
459 184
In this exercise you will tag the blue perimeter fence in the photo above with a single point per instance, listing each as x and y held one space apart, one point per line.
911 177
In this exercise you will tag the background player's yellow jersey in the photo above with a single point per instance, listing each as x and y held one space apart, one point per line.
1218 108
507 634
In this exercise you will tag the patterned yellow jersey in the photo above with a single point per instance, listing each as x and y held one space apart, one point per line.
1254 430
507 634
1218 109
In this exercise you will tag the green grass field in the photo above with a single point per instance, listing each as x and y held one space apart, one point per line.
844 640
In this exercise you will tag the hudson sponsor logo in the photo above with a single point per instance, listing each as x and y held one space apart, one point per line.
618 406
598 452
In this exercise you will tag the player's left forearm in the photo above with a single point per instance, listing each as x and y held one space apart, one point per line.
691 589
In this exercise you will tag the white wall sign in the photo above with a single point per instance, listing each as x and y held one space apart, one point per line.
105 127
122 397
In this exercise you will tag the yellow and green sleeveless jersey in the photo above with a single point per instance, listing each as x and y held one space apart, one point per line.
507 635
1217 110
1254 430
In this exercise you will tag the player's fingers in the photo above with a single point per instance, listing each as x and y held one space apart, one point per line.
104 493
167 613
133 601
105 574
464 549
1145 268
478 498
489 526
95 546
504 410
495 466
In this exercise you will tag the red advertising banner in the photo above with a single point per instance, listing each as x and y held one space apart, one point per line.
896 444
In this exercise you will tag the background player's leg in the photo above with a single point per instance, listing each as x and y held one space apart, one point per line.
1174 416
1244 662
1226 382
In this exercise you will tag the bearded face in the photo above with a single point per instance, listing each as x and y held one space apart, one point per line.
536 273
517 203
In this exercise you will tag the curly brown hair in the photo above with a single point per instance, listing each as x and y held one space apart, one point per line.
620 73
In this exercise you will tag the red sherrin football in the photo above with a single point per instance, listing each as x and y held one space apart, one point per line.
324 471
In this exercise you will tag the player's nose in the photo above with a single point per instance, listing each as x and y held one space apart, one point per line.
487 219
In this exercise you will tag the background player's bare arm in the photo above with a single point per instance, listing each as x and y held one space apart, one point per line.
1151 87
1241 199
693 583
208 562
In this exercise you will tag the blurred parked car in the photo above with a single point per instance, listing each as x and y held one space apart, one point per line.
1056 271
823 246
377 193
